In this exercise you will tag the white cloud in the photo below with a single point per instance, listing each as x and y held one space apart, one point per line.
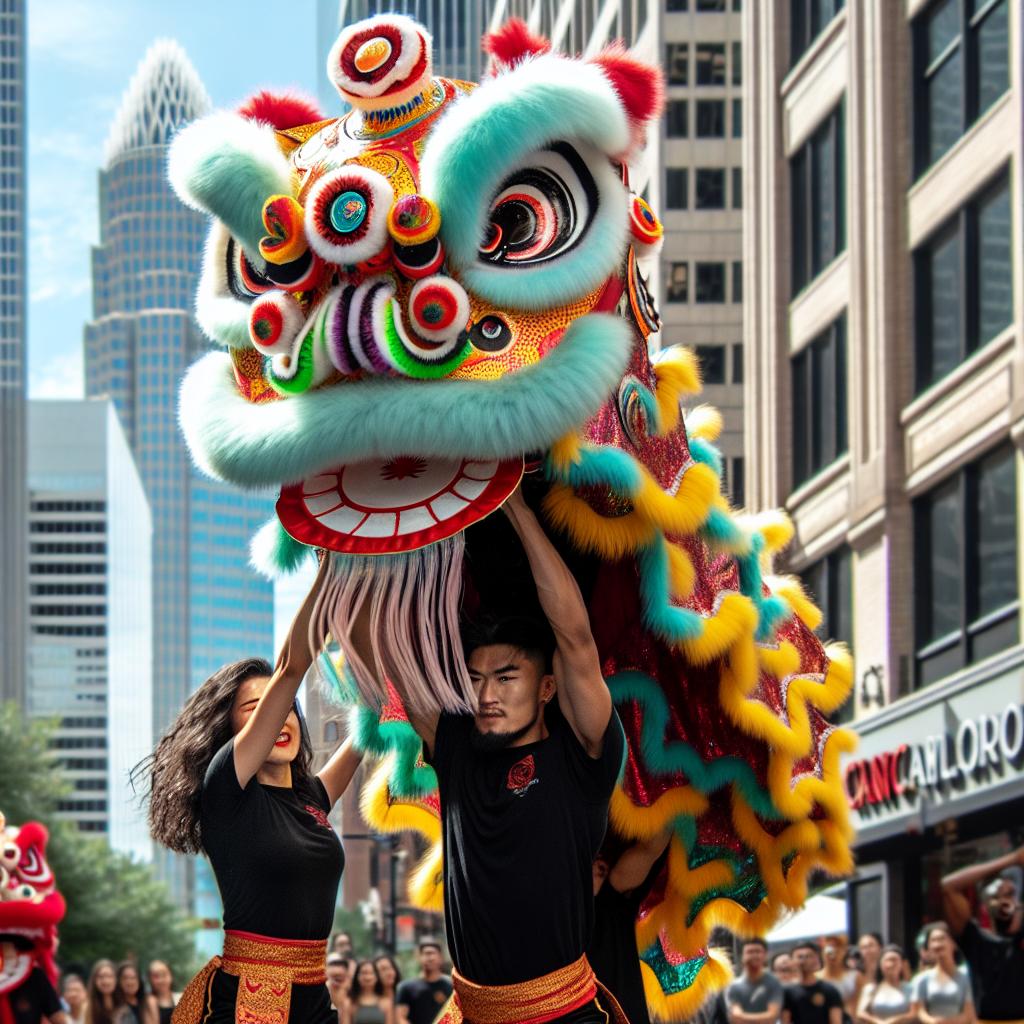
60 376
73 32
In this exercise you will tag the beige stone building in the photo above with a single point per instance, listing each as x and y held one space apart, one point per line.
700 205
884 324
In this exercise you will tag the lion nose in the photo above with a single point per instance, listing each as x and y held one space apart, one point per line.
346 216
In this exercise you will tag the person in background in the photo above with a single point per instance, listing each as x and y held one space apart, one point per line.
756 996
835 972
421 999
342 944
366 1001
942 992
810 1000
994 956
887 1000
390 977
75 996
869 945
622 879
33 999
102 983
130 997
161 996
783 968
339 977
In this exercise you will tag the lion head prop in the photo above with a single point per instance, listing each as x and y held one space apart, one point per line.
30 906
423 299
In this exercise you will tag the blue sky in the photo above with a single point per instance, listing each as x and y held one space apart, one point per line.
81 57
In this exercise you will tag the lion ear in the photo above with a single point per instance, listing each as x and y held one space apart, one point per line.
512 44
639 86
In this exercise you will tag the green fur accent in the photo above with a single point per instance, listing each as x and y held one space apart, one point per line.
303 376
260 445
233 185
602 466
706 453
273 553
664 758
408 779
659 613
408 363
340 687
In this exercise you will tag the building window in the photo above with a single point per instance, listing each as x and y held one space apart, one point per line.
677 187
710 6
679 282
955 84
737 281
818 198
710 183
737 363
819 402
737 488
710 119
737 188
737 63
677 119
675 6
710 59
711 359
677 63
806 20
710 282
964 284
829 582
965 549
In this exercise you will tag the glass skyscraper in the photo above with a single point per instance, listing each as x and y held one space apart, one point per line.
209 607
12 350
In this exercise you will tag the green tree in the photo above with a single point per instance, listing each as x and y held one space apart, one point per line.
116 908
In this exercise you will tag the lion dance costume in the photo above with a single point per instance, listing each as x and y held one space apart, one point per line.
422 298
30 910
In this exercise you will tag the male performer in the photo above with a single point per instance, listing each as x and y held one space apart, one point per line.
524 790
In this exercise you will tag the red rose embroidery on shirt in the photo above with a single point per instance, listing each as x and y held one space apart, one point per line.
521 775
318 816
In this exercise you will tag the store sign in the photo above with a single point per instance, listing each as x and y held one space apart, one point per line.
977 747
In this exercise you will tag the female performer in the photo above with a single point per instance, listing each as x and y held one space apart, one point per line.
232 778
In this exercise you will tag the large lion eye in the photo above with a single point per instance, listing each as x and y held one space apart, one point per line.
245 279
541 211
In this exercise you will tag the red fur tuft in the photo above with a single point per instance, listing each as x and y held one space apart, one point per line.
640 86
514 42
281 109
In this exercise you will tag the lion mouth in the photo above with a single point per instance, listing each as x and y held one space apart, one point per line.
396 504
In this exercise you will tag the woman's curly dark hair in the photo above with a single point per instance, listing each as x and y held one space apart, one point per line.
178 765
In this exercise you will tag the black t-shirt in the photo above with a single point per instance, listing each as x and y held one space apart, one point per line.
810 1004
277 859
612 951
997 971
521 828
424 998
34 999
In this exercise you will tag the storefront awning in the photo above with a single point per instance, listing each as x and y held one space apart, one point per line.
819 916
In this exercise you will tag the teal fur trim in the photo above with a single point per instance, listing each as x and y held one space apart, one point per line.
408 779
229 167
256 445
664 758
602 466
706 453
488 135
672 978
664 618
273 553
771 610
722 530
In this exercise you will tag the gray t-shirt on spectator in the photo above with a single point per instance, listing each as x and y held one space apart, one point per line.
944 998
754 996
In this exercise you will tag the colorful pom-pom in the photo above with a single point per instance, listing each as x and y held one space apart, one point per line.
346 215
647 230
285 239
414 219
439 308
274 320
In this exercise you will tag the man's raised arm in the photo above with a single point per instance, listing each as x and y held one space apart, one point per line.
956 887
582 693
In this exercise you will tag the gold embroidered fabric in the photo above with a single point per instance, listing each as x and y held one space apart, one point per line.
266 969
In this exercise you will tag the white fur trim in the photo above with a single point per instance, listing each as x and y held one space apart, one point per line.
452 331
376 236
223 318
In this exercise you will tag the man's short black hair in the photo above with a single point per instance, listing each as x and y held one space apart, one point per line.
813 946
429 943
531 635
754 942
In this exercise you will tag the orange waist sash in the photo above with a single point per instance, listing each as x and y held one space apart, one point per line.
529 1002
266 969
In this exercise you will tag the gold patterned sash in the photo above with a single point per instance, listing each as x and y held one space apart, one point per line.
266 970
529 1002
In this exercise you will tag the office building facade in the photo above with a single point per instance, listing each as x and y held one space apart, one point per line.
884 319
90 651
